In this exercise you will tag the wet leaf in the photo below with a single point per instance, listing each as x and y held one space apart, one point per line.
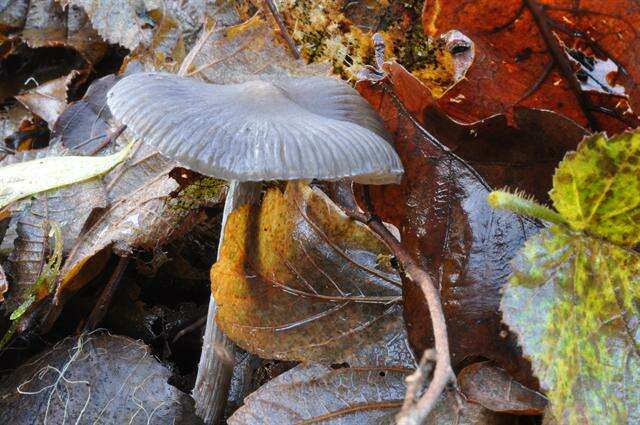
94 378
521 153
310 394
573 300
48 100
493 388
27 178
517 45
447 225
298 280
597 188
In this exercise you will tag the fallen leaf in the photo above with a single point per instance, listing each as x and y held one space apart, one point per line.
27 178
446 224
493 388
48 100
44 23
12 120
518 43
84 125
94 378
297 280
522 153
68 208
242 52
310 394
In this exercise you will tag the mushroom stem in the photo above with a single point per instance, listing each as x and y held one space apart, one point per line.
217 358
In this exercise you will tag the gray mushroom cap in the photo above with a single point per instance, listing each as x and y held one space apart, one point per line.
285 129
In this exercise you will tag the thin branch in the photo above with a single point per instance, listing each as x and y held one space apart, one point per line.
283 29
102 305
415 413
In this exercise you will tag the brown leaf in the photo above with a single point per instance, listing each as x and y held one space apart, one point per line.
314 394
84 125
241 52
521 154
297 280
48 100
493 388
94 378
446 224
44 23
518 43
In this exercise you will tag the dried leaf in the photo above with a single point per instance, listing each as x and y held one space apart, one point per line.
493 388
447 225
94 378
48 100
44 23
298 280
20 180
11 121
239 53
597 188
518 47
310 394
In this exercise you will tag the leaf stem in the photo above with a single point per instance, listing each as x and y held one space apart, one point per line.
514 202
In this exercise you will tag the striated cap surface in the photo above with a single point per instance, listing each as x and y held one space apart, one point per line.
284 129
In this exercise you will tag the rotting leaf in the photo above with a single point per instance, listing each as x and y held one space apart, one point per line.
297 280
314 394
519 47
94 378
573 300
597 189
490 386
447 225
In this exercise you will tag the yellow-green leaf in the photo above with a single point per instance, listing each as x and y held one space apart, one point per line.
23 179
574 302
298 280
597 188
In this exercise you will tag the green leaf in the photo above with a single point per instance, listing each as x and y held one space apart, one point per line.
23 179
573 301
597 188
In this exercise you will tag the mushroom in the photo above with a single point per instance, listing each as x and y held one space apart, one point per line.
280 128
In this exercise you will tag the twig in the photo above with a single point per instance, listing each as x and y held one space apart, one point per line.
192 327
100 309
412 412
110 138
283 29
